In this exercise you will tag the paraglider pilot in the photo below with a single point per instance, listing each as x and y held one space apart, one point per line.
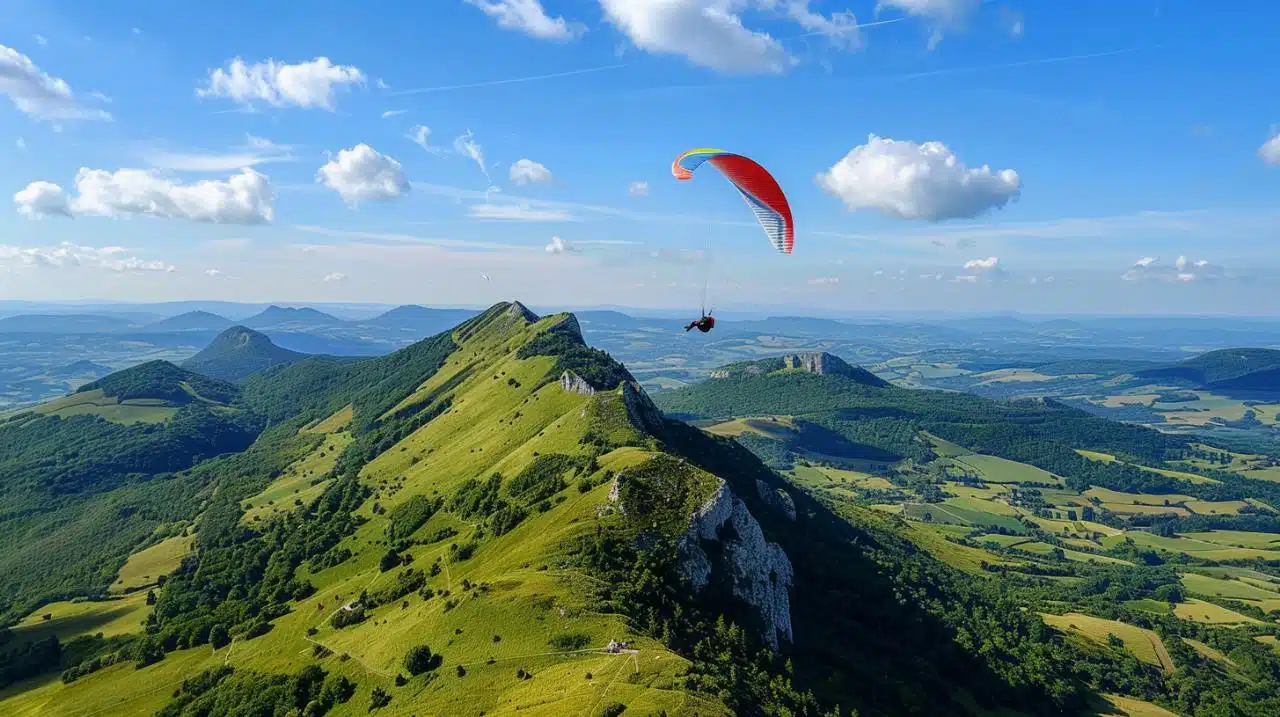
704 324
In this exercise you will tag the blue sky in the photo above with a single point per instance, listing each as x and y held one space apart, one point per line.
1139 132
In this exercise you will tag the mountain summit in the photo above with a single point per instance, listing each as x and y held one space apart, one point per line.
237 353
817 363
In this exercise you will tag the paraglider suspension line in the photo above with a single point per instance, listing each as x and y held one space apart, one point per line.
706 278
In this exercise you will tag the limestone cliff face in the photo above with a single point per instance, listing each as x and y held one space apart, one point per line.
777 498
573 383
819 363
758 570
640 408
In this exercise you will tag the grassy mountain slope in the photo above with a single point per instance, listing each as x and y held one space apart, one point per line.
474 512
237 353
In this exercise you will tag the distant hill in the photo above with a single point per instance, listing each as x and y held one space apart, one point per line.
419 319
80 368
161 380
237 353
191 321
1226 369
280 317
63 324
819 363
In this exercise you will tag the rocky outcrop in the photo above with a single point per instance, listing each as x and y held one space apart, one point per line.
640 408
777 499
821 363
573 383
758 571
518 309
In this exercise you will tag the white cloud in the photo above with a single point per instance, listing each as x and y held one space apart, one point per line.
824 280
1182 270
68 255
529 17
244 198
942 14
419 135
708 33
393 113
987 264
382 84
841 28
518 213
255 151
906 180
560 246
1270 151
638 189
42 199
527 171
363 174
334 277
308 85
41 39
966 279
37 94
20 143
216 273
469 148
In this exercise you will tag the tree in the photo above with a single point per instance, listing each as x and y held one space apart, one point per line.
1170 593
218 637
379 698
420 659
151 597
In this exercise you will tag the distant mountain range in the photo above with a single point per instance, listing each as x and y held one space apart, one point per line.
1225 369
191 321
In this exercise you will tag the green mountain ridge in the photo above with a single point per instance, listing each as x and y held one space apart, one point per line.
467 525
1226 369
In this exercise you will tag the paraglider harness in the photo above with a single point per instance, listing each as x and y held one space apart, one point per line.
704 324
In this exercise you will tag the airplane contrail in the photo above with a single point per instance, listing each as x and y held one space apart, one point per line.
511 81
1008 65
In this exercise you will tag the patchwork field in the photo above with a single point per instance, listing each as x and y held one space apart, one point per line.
302 482
1144 644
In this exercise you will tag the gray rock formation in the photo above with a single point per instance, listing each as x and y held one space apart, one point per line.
518 309
640 408
777 499
573 383
758 570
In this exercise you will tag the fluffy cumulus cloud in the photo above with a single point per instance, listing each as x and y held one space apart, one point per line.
245 198
638 189
334 277
363 174
560 246
943 15
527 171
1182 270
988 264
709 33
309 85
529 17
38 94
1270 151
68 255
841 28
42 199
906 180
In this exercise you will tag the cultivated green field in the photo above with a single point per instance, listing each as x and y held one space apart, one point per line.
1144 644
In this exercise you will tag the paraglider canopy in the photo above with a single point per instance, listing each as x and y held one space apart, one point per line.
758 188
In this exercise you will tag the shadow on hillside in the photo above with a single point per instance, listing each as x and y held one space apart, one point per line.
861 638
